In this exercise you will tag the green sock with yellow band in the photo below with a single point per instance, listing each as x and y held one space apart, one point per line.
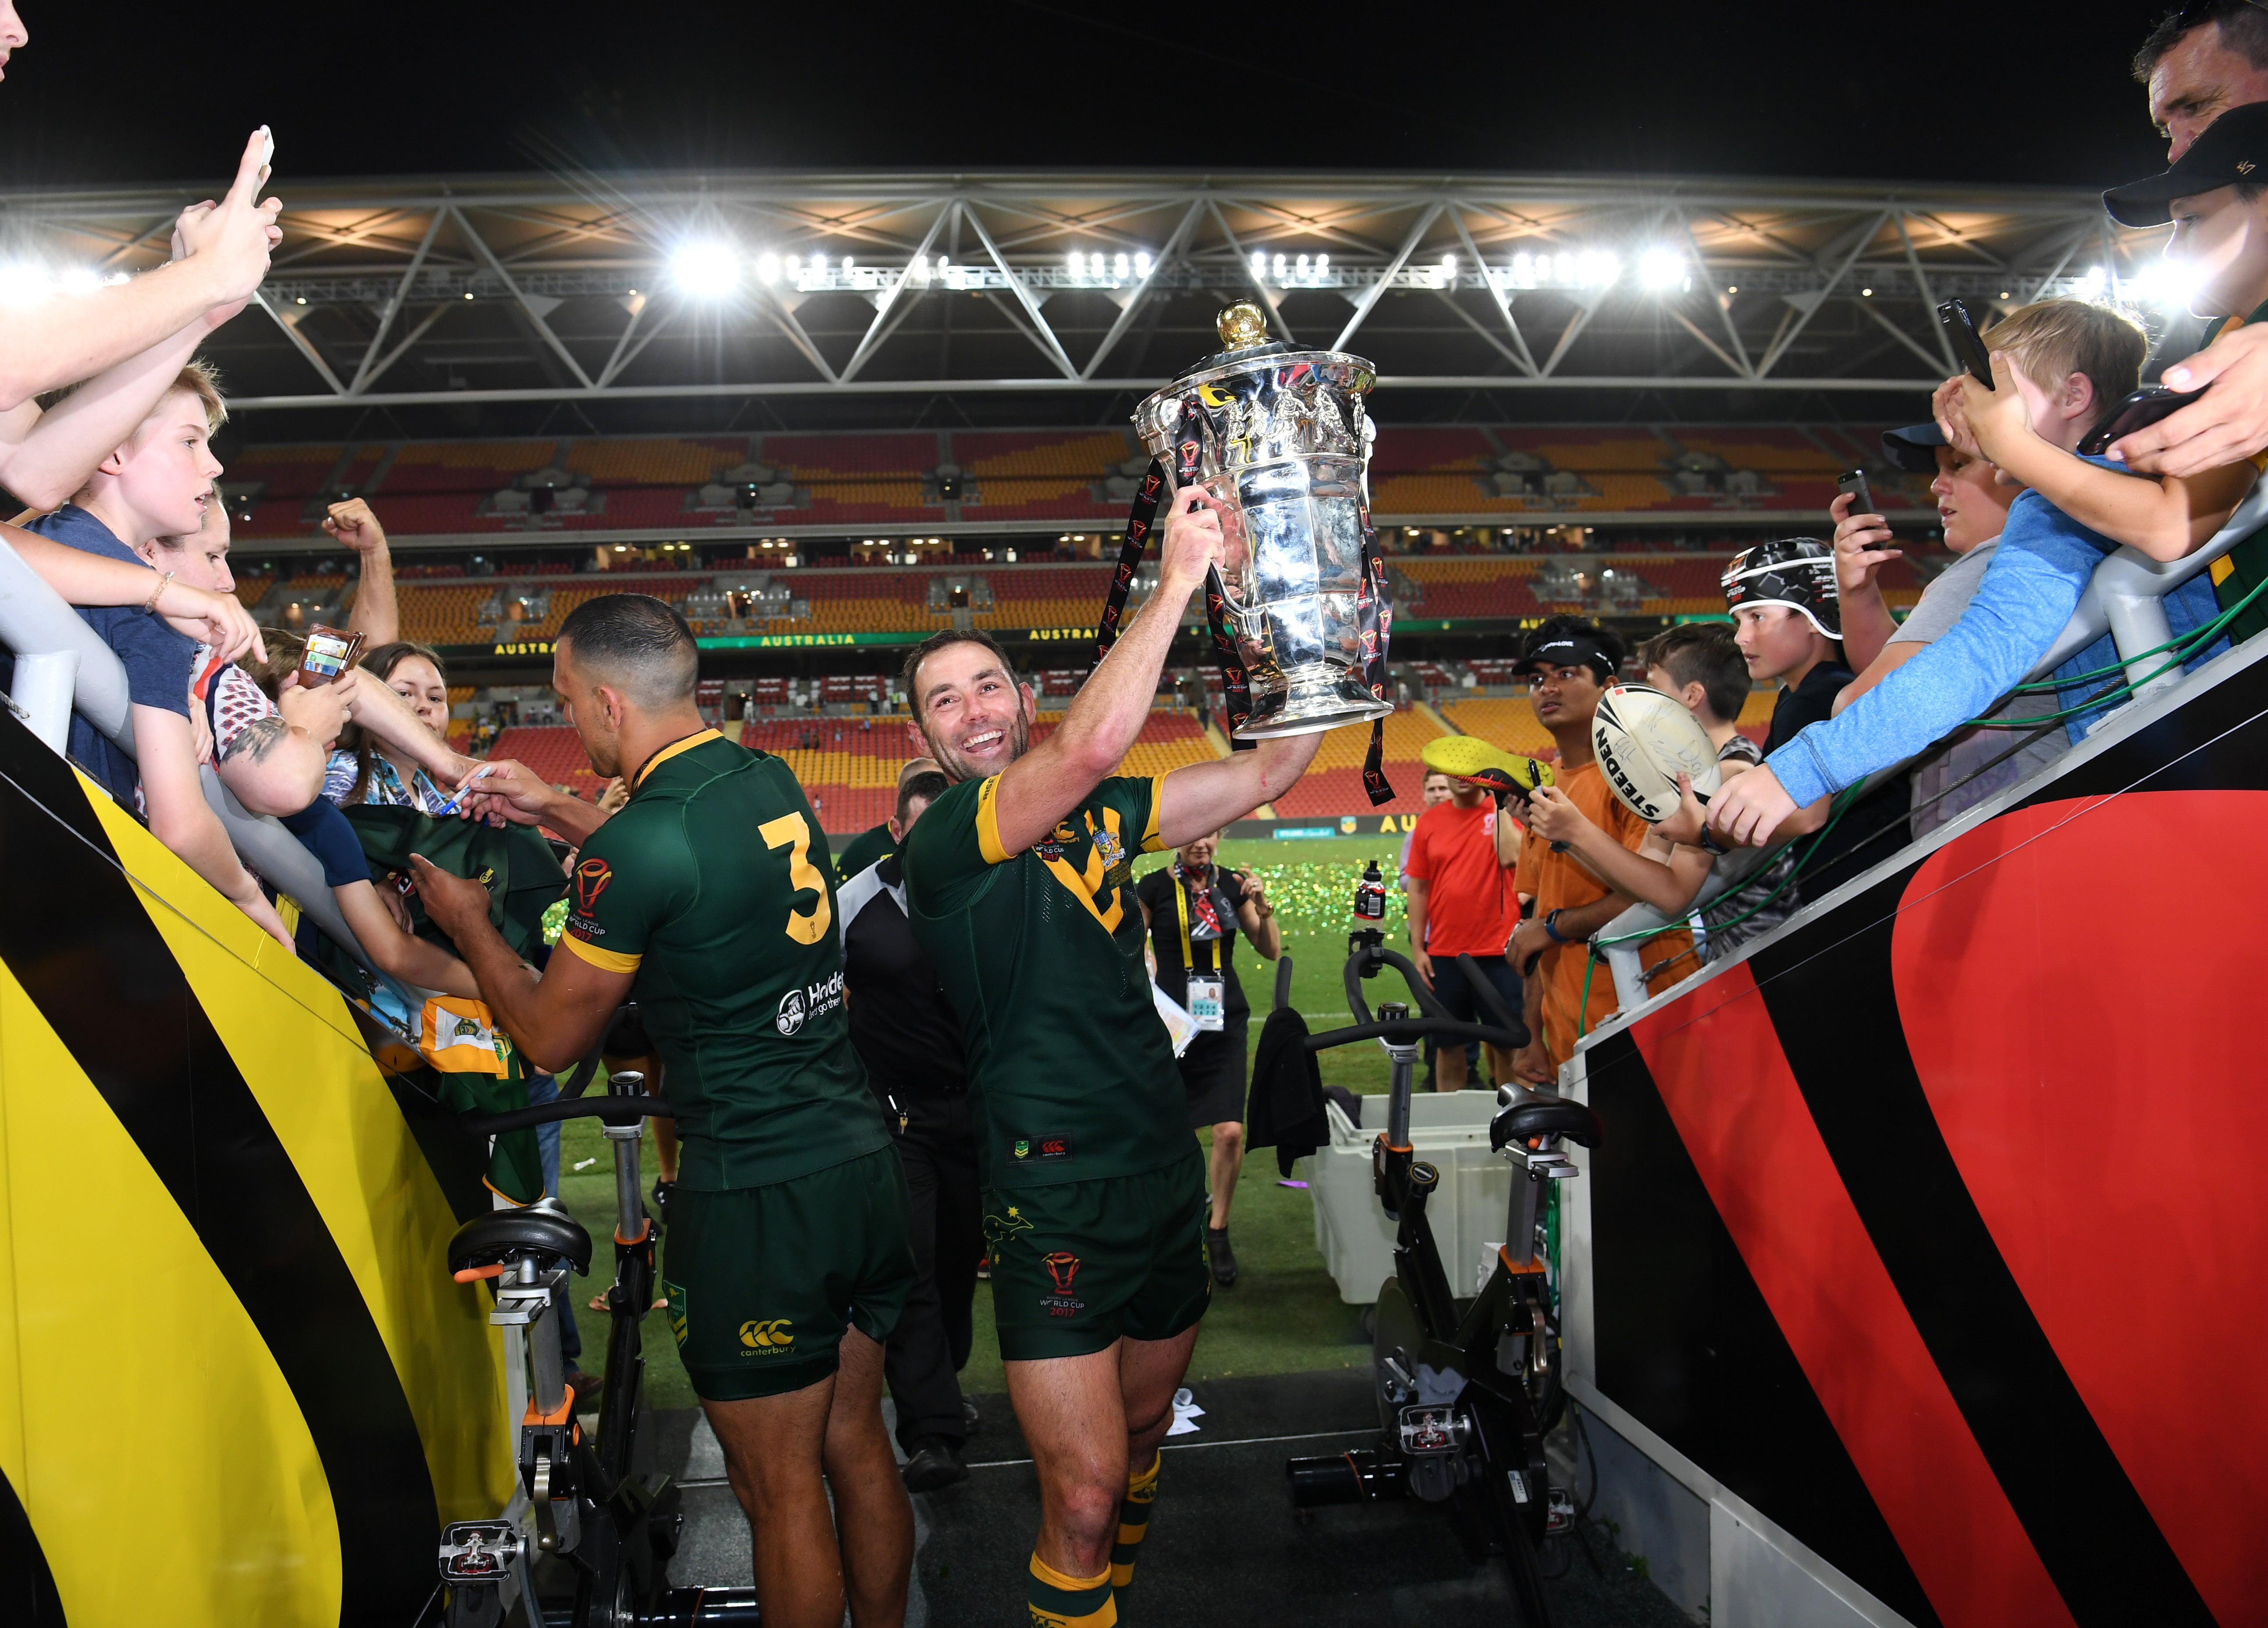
1133 1521
1059 1600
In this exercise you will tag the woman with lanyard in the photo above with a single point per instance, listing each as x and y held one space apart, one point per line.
1193 909
362 770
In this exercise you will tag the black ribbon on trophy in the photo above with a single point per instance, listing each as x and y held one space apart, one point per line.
1236 690
1305 407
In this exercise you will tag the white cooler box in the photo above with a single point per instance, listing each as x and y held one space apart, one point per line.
1448 1131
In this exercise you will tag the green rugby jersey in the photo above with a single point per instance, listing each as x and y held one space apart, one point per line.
1041 953
710 885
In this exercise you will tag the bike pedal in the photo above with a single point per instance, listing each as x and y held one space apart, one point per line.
478 1551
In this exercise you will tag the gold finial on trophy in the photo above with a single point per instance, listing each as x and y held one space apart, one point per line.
1242 325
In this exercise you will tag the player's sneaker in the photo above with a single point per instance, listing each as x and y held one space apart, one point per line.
1469 757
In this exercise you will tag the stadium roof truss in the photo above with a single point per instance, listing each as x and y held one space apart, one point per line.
625 287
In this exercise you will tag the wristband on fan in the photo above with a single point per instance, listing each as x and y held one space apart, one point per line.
1551 929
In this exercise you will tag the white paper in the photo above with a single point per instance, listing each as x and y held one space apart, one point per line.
1180 1028
1186 1413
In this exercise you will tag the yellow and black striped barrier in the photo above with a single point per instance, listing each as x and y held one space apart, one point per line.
237 1384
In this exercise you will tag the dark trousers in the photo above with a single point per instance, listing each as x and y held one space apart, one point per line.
925 1355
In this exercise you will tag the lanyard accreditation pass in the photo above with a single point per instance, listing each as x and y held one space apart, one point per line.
1206 989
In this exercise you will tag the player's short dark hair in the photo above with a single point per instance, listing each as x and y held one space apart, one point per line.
939 640
1702 654
926 787
638 644
2243 29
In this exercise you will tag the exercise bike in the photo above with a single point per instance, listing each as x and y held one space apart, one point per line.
1463 1398
612 1528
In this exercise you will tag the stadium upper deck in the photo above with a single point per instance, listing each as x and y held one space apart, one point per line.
889 486
474 305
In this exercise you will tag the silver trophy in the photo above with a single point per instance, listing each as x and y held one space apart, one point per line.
1279 436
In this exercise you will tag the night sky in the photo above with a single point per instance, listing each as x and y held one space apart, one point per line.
2038 94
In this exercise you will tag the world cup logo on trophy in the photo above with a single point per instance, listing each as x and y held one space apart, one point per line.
1278 435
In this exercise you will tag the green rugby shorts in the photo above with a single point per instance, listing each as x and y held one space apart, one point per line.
763 1281
1077 1264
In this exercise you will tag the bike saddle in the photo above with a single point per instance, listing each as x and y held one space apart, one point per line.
549 1235
1545 1116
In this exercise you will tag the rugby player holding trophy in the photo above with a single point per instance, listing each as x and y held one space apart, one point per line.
1020 885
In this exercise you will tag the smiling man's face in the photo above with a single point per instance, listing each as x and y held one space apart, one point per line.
975 717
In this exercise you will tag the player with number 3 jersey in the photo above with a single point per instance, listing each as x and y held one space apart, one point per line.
707 898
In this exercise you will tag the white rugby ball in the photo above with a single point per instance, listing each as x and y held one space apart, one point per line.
1644 739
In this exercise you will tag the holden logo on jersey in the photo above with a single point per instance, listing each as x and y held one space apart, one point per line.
814 1000
591 879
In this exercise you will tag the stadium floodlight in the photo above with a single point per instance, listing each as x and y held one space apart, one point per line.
1142 264
768 267
1078 263
705 268
23 282
1661 269
1322 265
1279 267
2090 286
1259 264
1121 267
2164 282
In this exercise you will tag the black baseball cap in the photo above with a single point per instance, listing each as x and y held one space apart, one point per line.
1914 447
1565 647
2231 149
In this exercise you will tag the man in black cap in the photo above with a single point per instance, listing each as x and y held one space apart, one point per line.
2216 196
2201 61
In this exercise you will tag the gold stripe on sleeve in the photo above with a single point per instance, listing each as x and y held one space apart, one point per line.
605 961
1151 843
988 824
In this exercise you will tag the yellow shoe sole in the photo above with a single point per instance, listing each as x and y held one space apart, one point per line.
1469 757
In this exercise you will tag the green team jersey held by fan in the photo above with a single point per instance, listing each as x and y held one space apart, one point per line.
1019 884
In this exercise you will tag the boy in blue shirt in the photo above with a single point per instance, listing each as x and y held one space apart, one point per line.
2058 366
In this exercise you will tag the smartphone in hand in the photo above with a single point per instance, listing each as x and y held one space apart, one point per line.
1853 485
2139 410
1961 329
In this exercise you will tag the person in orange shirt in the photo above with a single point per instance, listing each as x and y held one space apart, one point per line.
1570 662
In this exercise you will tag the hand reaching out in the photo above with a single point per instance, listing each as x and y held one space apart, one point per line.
233 238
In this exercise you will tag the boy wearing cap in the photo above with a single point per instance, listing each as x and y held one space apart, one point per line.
2058 364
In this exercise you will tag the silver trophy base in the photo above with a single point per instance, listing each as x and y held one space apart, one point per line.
1309 699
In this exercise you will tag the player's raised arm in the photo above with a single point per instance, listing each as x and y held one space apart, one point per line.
1198 797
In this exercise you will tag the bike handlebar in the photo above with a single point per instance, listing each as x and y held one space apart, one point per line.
613 1110
1508 1031
1414 1028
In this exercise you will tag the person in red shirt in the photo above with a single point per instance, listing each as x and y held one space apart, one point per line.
1461 900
